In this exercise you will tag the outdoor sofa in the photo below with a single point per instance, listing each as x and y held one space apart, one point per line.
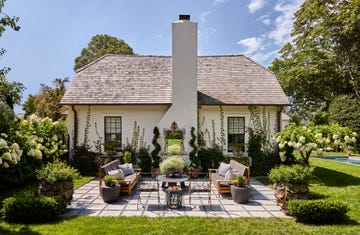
127 183
218 176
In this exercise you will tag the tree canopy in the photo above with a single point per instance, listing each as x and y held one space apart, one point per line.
100 45
323 59
47 102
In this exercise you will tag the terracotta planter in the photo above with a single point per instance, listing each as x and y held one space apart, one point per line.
195 173
154 172
110 194
240 194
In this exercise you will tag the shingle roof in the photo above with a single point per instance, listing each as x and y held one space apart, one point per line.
124 79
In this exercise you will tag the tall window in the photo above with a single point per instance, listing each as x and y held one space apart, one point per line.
112 128
236 132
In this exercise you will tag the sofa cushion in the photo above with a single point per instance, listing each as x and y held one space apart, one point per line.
117 174
230 175
127 168
223 168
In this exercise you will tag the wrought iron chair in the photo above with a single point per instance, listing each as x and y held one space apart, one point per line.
200 188
148 190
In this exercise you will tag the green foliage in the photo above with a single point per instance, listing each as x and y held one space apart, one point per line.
110 181
6 117
27 208
193 154
295 174
57 171
210 157
174 134
10 92
157 148
323 54
321 211
144 159
345 110
47 102
172 165
111 145
304 140
239 180
127 157
100 45
85 161
174 146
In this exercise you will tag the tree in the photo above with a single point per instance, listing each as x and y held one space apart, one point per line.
323 59
100 45
47 102
10 93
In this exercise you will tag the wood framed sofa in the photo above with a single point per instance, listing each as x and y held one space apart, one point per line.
219 180
129 181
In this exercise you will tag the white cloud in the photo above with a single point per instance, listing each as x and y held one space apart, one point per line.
251 45
265 20
256 5
284 22
207 33
204 15
218 2
262 56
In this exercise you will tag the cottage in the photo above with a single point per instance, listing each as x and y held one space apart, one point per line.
212 93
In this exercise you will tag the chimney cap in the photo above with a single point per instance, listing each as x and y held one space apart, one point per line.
184 17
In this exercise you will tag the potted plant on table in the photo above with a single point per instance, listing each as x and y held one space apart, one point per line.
240 193
111 190
172 166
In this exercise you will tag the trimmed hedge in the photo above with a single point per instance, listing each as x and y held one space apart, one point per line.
26 207
320 211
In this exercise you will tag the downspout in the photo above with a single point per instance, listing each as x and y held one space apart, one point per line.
278 119
75 139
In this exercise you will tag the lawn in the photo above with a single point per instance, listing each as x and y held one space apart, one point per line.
333 179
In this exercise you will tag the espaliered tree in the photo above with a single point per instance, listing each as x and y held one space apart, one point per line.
192 155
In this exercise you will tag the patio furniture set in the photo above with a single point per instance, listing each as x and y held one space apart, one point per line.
130 178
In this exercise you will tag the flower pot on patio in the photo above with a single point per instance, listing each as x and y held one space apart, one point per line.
240 194
110 194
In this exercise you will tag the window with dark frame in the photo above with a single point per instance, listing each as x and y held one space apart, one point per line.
236 132
112 128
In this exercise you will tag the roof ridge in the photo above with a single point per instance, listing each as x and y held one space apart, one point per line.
91 63
262 66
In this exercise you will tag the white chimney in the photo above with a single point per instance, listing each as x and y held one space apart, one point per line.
184 77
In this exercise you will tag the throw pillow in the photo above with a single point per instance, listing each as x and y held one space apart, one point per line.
223 168
117 174
230 175
128 169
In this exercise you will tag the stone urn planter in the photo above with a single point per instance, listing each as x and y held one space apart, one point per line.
63 190
110 194
240 194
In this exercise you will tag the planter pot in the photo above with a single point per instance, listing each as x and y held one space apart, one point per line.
286 191
110 194
240 194
154 172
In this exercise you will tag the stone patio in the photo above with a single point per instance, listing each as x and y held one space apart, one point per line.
88 202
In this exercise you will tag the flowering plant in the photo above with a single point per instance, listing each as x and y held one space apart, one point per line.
305 139
10 152
172 165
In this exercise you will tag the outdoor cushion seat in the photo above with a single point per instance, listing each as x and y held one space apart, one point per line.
127 184
221 184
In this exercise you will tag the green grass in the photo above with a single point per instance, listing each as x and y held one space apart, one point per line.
333 179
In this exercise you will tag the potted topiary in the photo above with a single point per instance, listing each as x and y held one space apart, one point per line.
290 182
237 149
240 193
172 166
111 190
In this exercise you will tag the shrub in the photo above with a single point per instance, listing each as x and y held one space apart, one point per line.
56 172
85 161
25 207
144 159
210 157
172 165
321 211
295 174
262 160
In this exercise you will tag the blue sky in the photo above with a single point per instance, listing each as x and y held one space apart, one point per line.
54 32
